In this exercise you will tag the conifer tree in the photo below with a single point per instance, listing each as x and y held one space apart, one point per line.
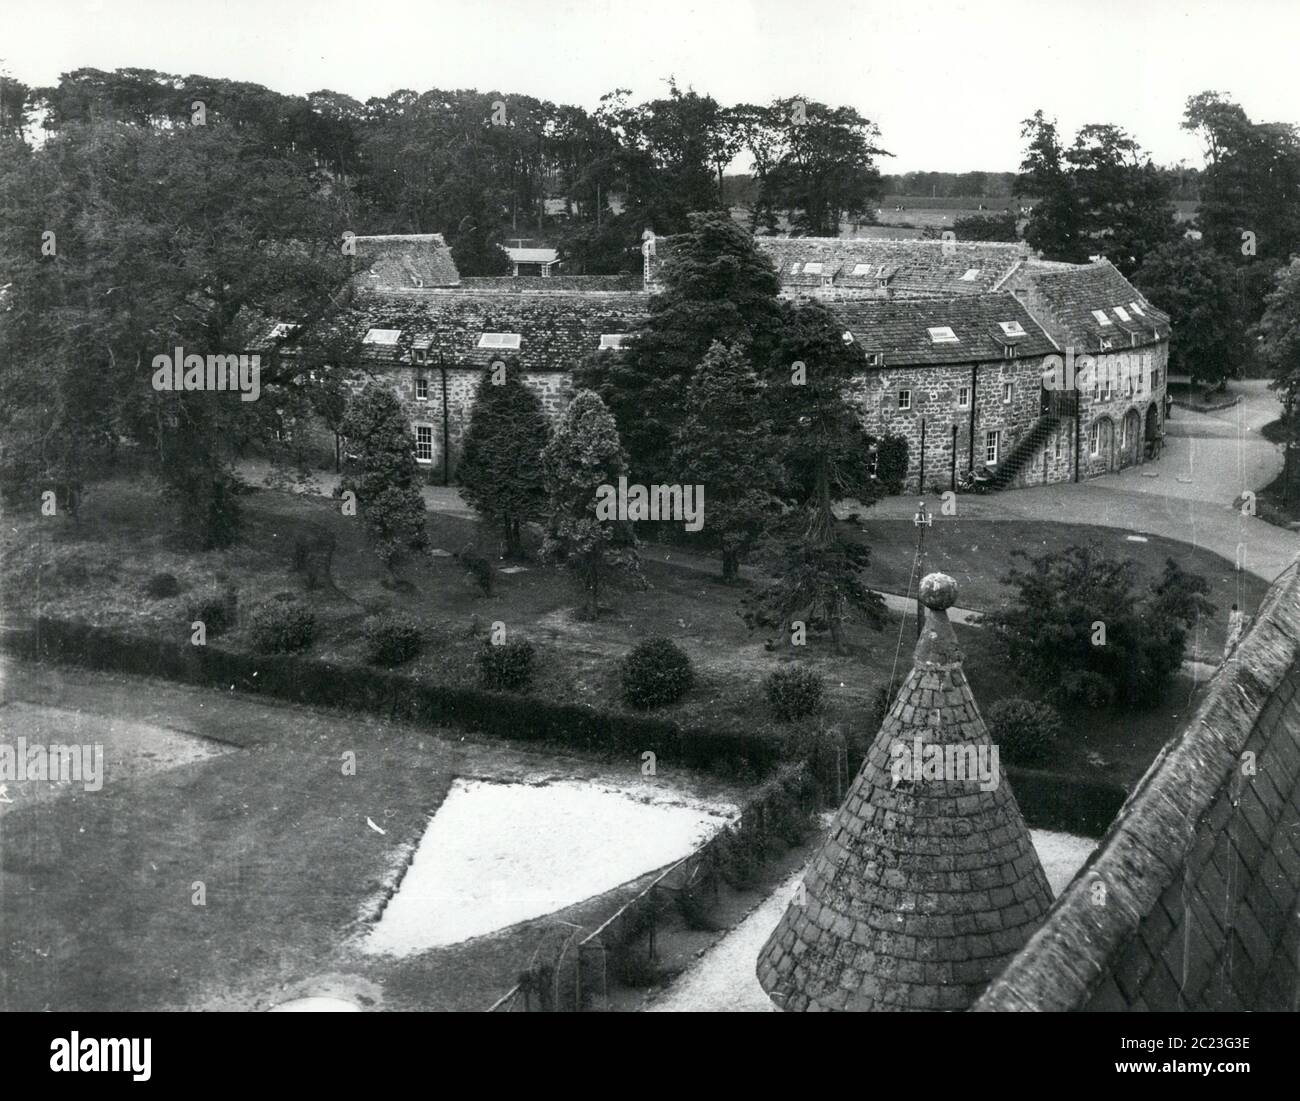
386 481
584 454
500 468
726 446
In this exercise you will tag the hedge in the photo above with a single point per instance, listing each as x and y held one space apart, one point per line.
304 679
1056 801
1048 800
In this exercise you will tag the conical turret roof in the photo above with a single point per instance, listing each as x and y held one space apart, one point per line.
928 882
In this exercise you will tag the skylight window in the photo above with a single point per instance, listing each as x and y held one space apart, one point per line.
794 268
1137 309
611 340
942 334
387 337
499 340
971 275
1122 313
283 329
812 268
1011 328
862 269
1101 317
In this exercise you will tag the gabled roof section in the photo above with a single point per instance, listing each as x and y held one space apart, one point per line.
533 255
556 331
417 261
1189 902
901 329
909 268
1079 295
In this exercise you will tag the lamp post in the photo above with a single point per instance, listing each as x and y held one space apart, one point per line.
922 520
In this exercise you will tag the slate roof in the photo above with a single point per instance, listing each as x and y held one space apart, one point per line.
1072 292
898 328
404 261
1192 899
553 284
557 331
919 268
925 888
533 255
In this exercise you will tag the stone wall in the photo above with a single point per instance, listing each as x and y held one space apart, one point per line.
553 389
1192 900
934 393
934 400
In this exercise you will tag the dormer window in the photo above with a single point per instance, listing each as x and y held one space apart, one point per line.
1101 318
611 341
1009 351
876 359
1105 344
499 340
1133 339
942 334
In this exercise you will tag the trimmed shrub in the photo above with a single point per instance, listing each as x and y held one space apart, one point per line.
1026 731
282 627
507 667
891 465
479 567
391 639
302 678
215 609
162 585
656 672
794 692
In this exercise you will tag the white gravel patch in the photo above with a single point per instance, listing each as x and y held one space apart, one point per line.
498 854
723 981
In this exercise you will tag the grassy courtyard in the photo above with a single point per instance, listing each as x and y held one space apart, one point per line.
97 567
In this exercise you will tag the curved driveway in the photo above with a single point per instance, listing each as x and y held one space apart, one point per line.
1209 460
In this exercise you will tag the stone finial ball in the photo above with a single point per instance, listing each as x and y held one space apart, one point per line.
938 591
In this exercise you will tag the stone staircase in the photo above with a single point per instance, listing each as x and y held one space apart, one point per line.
1029 444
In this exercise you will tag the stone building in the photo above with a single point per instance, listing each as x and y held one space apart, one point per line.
434 347
959 338
928 883
1092 310
961 381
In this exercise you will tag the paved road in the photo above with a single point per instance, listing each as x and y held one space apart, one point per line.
1210 459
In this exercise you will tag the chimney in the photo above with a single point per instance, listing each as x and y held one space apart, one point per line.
928 882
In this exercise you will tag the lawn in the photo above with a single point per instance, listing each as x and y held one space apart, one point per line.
97 890
96 569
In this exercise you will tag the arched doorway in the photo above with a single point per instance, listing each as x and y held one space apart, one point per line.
1152 429
1101 445
1130 439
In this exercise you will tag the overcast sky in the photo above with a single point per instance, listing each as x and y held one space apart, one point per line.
948 82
